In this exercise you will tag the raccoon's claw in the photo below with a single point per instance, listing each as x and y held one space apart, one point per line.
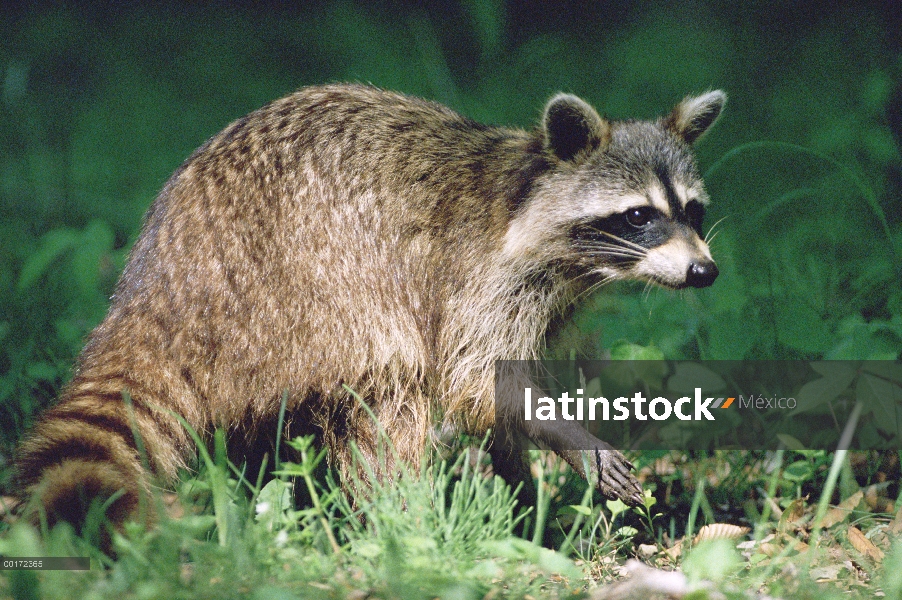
609 471
614 477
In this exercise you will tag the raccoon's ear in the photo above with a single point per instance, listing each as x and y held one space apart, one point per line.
693 116
571 127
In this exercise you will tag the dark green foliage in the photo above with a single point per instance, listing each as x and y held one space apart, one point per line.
99 106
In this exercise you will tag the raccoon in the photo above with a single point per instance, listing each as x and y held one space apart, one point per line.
350 237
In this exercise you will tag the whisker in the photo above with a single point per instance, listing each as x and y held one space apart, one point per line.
613 247
620 239
594 287
626 252
626 242
613 253
588 274
646 291
610 248
711 230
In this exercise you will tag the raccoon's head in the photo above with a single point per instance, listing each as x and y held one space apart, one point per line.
624 199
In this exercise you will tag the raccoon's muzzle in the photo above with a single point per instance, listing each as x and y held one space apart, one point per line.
701 274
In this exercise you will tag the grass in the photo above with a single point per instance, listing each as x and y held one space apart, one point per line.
452 530
99 108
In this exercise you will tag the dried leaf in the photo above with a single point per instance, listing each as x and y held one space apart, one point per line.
716 531
896 526
864 545
7 504
775 545
839 513
797 544
793 518
674 552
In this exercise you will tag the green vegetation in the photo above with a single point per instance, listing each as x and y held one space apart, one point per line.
99 106
451 531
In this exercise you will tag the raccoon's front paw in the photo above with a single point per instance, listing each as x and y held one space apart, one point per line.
614 479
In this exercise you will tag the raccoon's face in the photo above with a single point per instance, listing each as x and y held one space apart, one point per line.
626 200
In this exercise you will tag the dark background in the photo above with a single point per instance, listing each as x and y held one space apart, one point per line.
102 101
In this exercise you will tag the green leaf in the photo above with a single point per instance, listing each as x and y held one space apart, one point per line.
42 371
884 369
198 525
626 532
689 375
96 241
272 503
799 471
634 363
593 388
713 560
636 352
883 398
790 442
616 507
860 340
555 562
834 370
583 510
824 390
53 244
547 560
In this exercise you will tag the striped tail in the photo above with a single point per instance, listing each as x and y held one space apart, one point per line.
96 449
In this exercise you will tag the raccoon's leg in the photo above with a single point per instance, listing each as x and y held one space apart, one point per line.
85 451
607 468
510 462
385 447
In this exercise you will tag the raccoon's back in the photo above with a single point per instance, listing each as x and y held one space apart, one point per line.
317 238
311 244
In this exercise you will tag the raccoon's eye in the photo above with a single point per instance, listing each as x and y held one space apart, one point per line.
695 214
639 216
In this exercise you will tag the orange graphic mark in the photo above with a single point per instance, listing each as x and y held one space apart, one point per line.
728 402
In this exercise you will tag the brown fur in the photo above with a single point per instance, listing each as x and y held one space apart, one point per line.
340 235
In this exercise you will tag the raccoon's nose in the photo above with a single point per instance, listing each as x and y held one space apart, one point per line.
701 274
